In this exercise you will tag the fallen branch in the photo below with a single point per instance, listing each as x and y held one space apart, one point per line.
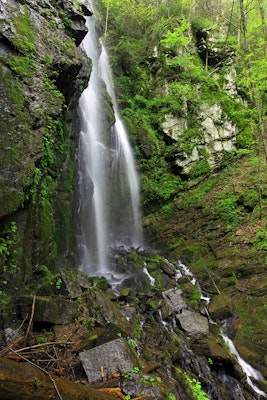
42 345
29 328
212 280
41 369
6 349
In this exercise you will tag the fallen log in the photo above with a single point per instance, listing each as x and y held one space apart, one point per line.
22 381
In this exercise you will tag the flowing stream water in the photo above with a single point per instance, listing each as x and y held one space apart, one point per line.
109 212
251 373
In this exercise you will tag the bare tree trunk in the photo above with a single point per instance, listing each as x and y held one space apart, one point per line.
263 20
106 23
243 25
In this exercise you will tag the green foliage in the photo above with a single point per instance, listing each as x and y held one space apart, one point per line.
202 167
260 240
8 247
10 254
132 343
151 380
44 182
49 278
227 209
135 370
172 40
194 296
157 183
210 361
195 386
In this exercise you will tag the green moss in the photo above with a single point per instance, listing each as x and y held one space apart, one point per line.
10 266
193 252
24 37
137 329
157 274
23 66
201 167
16 140
192 295
227 209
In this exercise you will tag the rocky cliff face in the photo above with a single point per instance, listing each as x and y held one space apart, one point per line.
42 74
216 132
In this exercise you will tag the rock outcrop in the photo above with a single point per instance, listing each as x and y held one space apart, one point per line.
42 73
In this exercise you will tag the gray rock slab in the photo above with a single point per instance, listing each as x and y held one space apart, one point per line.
173 299
101 361
75 281
193 323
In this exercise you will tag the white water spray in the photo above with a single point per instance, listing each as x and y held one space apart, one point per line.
108 185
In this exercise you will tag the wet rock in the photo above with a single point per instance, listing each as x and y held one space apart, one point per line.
105 311
193 323
101 361
213 348
220 307
144 384
172 301
75 281
168 269
53 310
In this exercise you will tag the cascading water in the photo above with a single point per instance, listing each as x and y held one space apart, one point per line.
251 373
108 185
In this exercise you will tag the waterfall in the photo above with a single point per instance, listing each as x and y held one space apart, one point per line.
108 185
247 368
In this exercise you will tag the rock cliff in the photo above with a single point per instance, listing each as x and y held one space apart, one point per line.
42 74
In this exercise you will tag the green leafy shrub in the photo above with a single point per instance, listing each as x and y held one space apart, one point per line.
227 209
195 386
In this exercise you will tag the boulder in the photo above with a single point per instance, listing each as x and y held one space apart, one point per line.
212 347
75 281
193 323
106 312
172 301
145 384
49 309
101 361
220 307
